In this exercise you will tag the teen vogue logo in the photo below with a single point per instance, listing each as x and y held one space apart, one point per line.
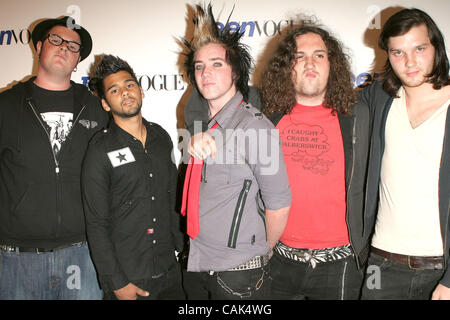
162 82
156 82
267 28
8 37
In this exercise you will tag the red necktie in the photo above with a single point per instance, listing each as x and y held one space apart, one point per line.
191 193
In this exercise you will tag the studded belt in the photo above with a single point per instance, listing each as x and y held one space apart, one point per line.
314 256
254 263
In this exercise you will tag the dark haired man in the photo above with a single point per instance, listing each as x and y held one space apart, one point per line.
230 235
45 126
129 184
408 179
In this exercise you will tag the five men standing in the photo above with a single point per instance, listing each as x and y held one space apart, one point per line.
378 167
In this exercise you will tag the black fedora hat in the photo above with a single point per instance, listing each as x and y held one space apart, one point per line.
68 22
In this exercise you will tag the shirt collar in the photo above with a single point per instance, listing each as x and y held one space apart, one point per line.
224 116
125 135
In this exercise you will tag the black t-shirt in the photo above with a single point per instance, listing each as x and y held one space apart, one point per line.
56 109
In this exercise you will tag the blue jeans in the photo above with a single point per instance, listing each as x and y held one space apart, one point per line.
390 280
65 274
334 280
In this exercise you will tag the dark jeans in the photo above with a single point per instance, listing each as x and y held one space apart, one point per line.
335 280
390 280
65 274
251 284
164 287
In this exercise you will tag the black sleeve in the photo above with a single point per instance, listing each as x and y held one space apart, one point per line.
369 94
254 98
196 110
95 185
175 216
364 95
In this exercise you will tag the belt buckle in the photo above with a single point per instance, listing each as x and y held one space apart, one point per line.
410 266
303 255
6 248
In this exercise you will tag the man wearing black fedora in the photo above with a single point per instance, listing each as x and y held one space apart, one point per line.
45 126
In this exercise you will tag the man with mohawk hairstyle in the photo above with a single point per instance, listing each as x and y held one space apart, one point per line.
231 237
129 183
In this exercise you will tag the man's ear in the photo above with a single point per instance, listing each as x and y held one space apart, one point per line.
105 105
234 77
39 48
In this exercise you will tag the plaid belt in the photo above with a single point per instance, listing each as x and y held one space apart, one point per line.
314 256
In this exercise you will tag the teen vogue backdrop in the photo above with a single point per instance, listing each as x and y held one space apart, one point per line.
145 34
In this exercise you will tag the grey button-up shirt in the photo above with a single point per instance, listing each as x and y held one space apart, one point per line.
247 175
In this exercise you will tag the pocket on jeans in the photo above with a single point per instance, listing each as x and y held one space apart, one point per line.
376 260
243 284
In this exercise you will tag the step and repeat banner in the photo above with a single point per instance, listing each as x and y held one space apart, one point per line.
145 33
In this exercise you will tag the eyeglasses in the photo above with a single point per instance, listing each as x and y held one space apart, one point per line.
56 40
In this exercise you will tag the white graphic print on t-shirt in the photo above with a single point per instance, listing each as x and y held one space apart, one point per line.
60 124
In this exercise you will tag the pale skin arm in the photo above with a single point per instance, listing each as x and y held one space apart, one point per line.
441 293
130 292
202 145
276 221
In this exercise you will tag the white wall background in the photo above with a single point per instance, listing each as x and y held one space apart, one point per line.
144 33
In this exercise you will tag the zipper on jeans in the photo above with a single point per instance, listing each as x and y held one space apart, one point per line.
238 212
343 280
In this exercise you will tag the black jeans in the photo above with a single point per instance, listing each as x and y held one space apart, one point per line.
390 280
334 280
251 284
167 286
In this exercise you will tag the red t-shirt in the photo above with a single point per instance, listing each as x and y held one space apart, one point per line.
314 155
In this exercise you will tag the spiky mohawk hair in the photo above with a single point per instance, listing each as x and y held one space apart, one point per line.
237 54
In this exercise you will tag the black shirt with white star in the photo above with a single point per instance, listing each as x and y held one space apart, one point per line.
129 198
